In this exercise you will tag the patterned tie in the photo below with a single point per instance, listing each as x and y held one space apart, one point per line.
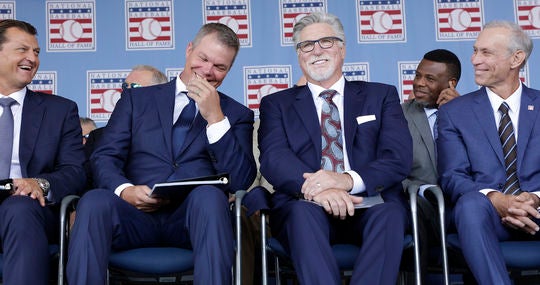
182 126
6 136
332 144
435 124
508 141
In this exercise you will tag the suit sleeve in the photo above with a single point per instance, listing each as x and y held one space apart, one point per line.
233 153
453 163
67 175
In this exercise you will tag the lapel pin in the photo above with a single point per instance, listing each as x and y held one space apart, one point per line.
530 107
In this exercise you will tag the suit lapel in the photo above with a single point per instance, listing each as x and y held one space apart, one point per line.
165 108
420 121
528 114
304 107
484 114
31 119
353 100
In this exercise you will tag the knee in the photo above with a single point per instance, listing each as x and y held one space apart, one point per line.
95 201
209 199
473 207
18 208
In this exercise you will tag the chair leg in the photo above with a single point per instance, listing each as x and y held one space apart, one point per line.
277 270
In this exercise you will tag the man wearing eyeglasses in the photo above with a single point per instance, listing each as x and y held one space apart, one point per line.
178 130
336 143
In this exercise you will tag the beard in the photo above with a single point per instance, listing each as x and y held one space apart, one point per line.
320 74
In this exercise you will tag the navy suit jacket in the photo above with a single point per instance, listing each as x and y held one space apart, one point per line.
470 152
50 143
380 150
136 146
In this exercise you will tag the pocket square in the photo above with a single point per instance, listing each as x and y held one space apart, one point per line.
365 119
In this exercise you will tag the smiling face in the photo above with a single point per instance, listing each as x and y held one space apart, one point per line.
210 59
19 60
495 66
430 79
321 66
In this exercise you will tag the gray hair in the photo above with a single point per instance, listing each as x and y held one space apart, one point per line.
518 40
85 120
157 76
315 18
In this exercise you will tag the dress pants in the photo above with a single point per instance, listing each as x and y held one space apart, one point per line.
105 222
25 229
307 232
480 230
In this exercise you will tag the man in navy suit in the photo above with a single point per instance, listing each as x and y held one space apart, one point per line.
137 151
372 151
493 182
44 158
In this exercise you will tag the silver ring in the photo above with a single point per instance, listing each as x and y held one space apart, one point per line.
318 184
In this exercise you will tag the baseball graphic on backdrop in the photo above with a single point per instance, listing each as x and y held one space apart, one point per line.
71 31
150 29
459 20
230 22
109 99
534 17
298 17
265 90
381 22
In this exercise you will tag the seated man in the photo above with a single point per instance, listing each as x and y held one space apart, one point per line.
142 146
489 162
351 142
434 85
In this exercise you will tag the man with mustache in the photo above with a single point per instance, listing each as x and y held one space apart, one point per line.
335 142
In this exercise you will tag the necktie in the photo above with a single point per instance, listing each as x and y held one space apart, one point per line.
182 126
332 144
6 136
508 141
435 124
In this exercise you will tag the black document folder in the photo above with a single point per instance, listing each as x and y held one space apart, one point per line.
178 190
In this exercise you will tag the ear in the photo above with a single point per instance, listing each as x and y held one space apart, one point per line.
517 58
189 49
454 82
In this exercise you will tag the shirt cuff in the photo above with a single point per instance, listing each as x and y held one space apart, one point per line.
216 131
121 188
487 191
358 183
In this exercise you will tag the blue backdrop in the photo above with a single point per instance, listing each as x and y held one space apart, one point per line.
88 47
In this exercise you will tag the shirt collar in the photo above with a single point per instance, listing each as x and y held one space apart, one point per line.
17 95
339 86
513 101
180 86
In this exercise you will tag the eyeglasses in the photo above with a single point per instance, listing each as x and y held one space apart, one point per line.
126 85
86 136
324 43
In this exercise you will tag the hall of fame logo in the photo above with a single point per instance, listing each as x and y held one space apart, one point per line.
293 10
104 89
458 19
260 81
381 21
233 13
172 73
528 16
44 81
7 10
524 74
356 71
149 25
71 26
407 72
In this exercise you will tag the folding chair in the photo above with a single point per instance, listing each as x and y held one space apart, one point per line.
436 192
171 265
257 200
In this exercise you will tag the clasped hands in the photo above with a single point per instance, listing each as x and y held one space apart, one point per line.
517 211
330 190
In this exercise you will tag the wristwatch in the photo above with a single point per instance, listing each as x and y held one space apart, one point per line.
44 185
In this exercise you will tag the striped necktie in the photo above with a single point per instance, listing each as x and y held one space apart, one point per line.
509 146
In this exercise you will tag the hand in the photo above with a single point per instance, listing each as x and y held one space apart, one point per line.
447 94
206 97
322 180
29 187
138 197
337 202
516 211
